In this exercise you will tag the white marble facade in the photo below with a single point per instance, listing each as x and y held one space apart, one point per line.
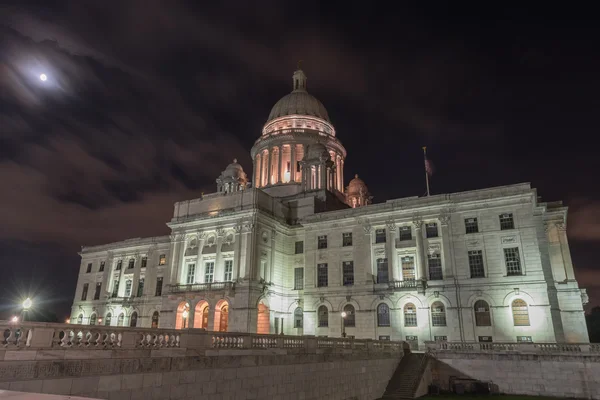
289 249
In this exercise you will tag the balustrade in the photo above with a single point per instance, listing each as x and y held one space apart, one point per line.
202 287
508 347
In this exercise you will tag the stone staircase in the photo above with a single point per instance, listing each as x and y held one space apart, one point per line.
404 383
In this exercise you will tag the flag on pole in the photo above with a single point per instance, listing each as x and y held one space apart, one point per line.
428 166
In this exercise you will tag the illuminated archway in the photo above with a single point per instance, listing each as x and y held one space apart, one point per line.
221 323
183 315
201 315
263 325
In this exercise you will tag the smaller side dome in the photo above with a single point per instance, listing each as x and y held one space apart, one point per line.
357 193
232 179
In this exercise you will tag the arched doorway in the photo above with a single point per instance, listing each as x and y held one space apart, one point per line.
155 320
133 319
183 314
201 315
221 316
263 325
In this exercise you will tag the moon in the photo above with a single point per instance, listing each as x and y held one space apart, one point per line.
43 77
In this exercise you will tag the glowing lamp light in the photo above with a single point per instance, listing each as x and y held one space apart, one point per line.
27 303
15 319
99 320
343 314
68 320
43 78
185 313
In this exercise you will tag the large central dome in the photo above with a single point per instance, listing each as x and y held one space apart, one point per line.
299 102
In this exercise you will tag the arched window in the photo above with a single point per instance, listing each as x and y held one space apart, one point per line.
350 319
298 318
133 319
201 315
482 313
383 315
121 319
323 314
438 314
155 320
410 315
107 319
520 313
80 319
93 319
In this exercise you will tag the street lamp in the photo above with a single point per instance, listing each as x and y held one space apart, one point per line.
185 316
15 319
343 315
26 306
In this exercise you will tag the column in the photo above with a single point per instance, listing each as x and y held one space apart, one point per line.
334 176
237 252
107 276
566 252
173 277
256 174
369 278
150 277
293 162
280 173
337 170
271 274
448 262
342 172
391 251
260 169
420 260
323 176
219 272
136 276
269 166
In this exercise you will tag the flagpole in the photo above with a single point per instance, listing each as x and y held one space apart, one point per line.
426 173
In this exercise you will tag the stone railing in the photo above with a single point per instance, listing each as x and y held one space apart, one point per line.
508 347
16 336
202 287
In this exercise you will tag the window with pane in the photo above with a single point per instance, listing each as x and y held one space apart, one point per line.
476 263
405 233
84 292
93 319
209 272
323 315
191 274
482 313
507 221
382 270
107 319
115 291
119 265
434 262
159 284
140 289
520 313
524 339
299 278
431 230
89 268
408 268
379 235
513 261
383 315
155 320
162 260
471 225
438 314
485 339
322 275
128 284
298 318
410 315
98 291
348 273
131 263
133 319
80 319
299 247
120 319
347 239
144 262
102 264
350 319
228 270
440 338
322 242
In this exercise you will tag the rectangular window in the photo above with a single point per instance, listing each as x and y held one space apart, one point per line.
413 342
159 283
405 233
209 272
322 275
140 289
144 262
162 260
228 270
435 267
471 225
476 263
128 287
485 339
119 265
298 319
98 291
431 230
191 274
298 278
89 268
101 269
506 221
384 337
84 292
513 261
380 236
524 339
131 264
276 325
347 239
322 242
299 247
408 268
115 291
440 338
348 273
382 270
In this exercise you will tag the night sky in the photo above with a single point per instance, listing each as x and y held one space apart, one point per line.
147 101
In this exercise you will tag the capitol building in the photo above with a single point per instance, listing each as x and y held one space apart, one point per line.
294 250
